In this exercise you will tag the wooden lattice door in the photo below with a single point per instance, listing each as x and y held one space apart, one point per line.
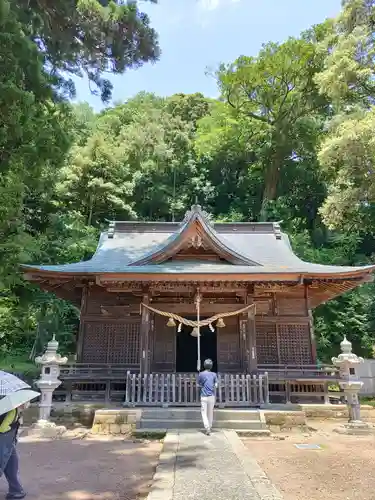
228 346
295 345
267 344
164 349
95 343
112 342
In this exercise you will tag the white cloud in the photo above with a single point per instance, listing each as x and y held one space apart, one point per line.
208 5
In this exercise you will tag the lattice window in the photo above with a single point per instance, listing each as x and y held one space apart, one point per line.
124 343
111 343
295 345
266 338
95 343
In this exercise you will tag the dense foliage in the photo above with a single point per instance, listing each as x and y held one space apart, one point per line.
290 139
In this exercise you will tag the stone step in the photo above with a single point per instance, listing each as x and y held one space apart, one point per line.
253 432
195 414
197 424
157 433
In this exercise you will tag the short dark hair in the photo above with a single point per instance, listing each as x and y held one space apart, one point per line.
208 364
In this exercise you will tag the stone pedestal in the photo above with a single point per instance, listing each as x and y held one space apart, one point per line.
48 381
350 384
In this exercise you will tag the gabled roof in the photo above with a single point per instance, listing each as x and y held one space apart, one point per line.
242 248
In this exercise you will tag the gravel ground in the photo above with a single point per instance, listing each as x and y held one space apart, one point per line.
100 468
342 470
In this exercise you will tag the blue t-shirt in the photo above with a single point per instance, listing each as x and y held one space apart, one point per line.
207 381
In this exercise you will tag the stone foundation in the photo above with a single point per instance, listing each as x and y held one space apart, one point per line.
68 415
279 420
115 421
323 412
104 420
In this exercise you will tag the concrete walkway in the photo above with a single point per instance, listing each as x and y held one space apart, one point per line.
193 466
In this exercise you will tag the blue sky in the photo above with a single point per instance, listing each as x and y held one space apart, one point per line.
199 34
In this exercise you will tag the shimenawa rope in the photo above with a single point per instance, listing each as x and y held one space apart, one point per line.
204 322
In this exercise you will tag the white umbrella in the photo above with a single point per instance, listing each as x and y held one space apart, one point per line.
10 383
16 399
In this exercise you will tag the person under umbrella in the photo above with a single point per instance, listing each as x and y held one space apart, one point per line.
11 404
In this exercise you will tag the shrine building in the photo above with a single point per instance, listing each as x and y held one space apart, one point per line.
149 285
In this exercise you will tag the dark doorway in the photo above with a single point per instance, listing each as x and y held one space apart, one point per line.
186 349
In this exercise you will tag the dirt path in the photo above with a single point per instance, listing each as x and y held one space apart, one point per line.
342 470
100 468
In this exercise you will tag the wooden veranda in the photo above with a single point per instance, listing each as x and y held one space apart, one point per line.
278 384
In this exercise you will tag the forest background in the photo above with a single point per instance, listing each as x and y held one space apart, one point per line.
290 139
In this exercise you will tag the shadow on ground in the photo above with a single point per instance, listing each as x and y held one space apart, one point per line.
100 468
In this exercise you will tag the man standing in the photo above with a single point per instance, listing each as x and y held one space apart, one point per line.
207 382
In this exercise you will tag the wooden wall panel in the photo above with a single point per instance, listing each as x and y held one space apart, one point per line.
291 305
117 304
264 306
228 346
111 342
164 349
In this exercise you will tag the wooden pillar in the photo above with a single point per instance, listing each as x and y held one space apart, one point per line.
81 329
144 358
251 334
314 356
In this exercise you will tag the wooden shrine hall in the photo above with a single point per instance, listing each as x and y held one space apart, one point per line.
157 298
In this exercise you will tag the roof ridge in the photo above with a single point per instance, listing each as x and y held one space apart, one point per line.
253 227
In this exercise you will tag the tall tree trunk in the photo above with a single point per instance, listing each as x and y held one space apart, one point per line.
271 183
91 207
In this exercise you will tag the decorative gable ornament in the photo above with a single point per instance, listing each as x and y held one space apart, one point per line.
197 231
197 210
196 241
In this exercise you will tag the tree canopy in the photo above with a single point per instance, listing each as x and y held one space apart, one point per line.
289 139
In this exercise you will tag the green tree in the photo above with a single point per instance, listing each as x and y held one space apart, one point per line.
276 91
88 37
96 182
347 154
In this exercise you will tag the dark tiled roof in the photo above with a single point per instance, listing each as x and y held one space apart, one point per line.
262 244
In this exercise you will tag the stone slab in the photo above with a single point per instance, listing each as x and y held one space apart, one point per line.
194 466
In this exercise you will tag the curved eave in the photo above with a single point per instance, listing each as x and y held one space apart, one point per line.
177 241
150 273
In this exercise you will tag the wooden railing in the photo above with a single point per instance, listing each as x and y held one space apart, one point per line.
290 372
174 389
95 371
112 382
301 383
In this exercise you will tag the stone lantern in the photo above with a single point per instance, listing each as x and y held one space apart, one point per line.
49 378
350 384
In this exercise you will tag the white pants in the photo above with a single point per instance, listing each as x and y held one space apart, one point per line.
207 408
